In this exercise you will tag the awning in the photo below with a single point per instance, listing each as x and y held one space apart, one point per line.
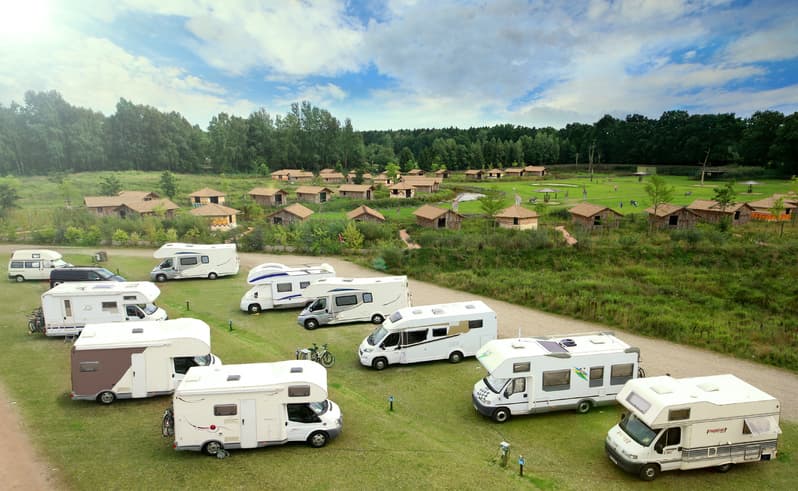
763 425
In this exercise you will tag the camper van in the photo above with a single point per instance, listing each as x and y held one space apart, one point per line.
278 286
713 421
182 261
254 405
34 264
339 300
429 332
68 307
533 375
121 360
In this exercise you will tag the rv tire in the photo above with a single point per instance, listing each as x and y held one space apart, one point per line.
106 397
455 357
212 276
318 439
724 467
253 308
379 364
160 278
649 472
19 278
501 415
583 407
311 324
377 319
213 447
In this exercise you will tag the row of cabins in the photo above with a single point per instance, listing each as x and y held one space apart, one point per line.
331 176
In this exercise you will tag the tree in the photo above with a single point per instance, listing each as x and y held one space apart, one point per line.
776 210
8 198
168 184
110 186
725 195
392 171
658 191
492 203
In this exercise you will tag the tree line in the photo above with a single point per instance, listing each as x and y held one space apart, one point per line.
48 135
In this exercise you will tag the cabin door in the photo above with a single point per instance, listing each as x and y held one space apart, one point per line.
249 423
139 385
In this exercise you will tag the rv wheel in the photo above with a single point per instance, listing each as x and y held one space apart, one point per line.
649 472
311 324
724 468
160 278
379 364
318 439
254 308
20 278
213 448
212 276
501 415
583 407
456 357
106 397
377 319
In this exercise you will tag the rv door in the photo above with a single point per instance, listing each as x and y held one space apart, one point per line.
668 448
66 305
137 364
515 395
249 423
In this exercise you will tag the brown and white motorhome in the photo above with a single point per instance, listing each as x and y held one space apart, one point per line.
133 360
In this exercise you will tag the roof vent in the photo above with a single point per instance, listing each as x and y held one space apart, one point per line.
296 369
708 387
437 311
416 311
662 389
233 378
598 340
471 306
568 342
137 330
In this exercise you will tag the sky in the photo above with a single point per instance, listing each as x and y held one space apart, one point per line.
402 64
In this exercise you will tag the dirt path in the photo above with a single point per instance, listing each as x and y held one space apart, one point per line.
659 357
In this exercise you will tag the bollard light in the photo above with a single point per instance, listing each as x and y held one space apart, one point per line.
230 325
504 450
521 465
188 305
390 403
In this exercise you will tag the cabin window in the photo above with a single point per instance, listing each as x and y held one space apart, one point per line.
188 261
346 300
670 437
679 414
302 413
89 366
303 284
475 324
518 385
32 264
413 337
673 220
391 340
129 298
298 390
225 410
438 332
596 376
620 374
736 215
557 380
597 220
368 298
638 402
133 311
205 259
67 308
183 363
283 287
109 307
521 367
17 264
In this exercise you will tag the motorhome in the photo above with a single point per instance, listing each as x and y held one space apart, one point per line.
34 264
182 261
429 332
227 407
338 300
278 286
533 375
122 360
68 307
690 423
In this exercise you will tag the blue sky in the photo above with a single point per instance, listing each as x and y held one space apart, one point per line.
407 63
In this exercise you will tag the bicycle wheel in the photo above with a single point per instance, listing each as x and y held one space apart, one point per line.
327 359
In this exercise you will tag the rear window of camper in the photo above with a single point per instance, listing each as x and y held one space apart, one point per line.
475 324
346 300
620 374
225 410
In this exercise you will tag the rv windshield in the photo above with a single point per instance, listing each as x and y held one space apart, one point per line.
494 383
319 407
149 308
204 360
637 430
377 336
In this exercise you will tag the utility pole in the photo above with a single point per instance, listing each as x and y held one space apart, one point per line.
704 167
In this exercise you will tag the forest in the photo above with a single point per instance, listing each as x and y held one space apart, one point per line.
47 135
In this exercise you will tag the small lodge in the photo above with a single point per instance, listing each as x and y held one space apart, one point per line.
415 172
594 217
352 176
434 217
710 211
221 217
206 196
475 174
517 217
495 174
314 194
126 203
670 216
442 174
269 196
423 184
535 170
356 191
763 208
383 179
514 172
402 190
290 214
292 175
365 214
332 177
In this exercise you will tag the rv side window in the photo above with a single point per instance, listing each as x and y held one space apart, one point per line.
188 261
17 264
67 308
391 340
283 287
557 380
205 259
89 366
596 376
620 374
367 298
413 337
670 437
303 284
129 298
475 324
438 332
346 300
521 367
518 385
183 363
298 390
32 264
225 410
110 307
133 311
302 413
679 414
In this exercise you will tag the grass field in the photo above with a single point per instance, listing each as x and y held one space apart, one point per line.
432 440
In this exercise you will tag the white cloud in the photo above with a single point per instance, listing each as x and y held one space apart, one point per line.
320 95
779 42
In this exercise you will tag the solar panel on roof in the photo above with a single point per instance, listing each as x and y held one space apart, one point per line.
552 346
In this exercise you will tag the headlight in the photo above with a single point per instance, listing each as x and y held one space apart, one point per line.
368 350
631 456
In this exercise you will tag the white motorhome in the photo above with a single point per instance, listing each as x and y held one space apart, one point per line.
121 360
253 405
534 375
67 307
279 286
34 264
338 300
429 332
713 421
182 261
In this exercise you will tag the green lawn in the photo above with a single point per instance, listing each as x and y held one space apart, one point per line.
432 440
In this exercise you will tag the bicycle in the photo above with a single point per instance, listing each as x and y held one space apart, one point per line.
168 423
36 321
319 355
